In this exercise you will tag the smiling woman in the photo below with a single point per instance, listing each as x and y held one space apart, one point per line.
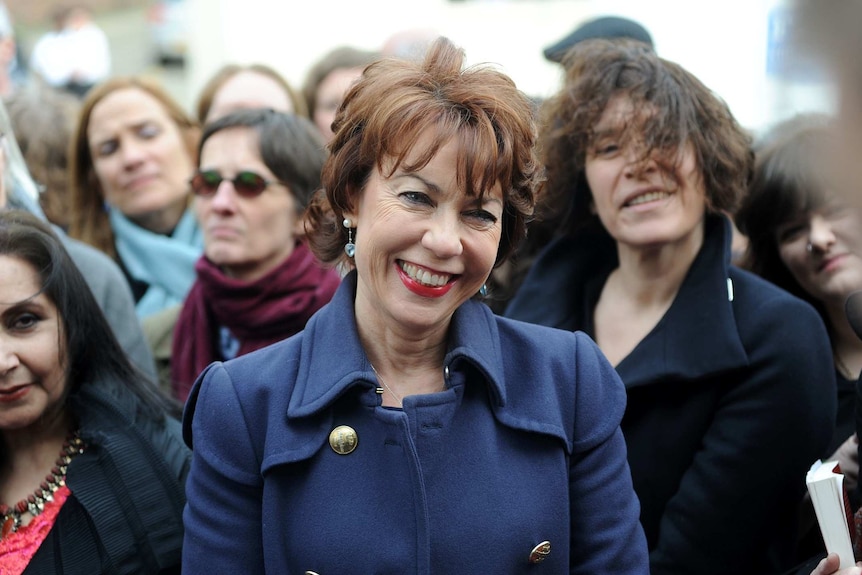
805 238
406 408
642 161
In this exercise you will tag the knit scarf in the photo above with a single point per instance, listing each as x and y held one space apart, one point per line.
165 263
257 313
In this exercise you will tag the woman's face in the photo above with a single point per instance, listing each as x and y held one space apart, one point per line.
246 236
831 269
329 95
248 89
423 247
139 156
642 202
32 361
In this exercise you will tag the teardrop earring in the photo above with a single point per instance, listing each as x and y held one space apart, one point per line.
349 247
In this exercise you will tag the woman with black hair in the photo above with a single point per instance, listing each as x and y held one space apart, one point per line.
92 467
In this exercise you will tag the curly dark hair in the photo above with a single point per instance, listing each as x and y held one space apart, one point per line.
672 109
394 104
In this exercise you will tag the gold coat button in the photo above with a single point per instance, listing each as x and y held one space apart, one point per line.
540 552
343 439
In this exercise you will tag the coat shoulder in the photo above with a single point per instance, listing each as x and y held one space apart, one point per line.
552 373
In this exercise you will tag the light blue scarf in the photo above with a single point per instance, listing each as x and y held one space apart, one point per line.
166 263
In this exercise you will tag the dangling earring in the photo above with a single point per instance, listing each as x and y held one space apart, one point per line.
349 247
483 291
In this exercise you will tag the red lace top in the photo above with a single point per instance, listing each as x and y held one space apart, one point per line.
18 548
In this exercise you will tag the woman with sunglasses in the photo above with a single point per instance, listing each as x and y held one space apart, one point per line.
132 152
257 282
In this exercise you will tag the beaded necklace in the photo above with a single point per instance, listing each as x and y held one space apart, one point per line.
34 504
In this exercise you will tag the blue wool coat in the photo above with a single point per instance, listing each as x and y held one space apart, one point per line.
731 398
522 447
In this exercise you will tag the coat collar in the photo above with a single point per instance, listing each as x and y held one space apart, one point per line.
698 334
332 360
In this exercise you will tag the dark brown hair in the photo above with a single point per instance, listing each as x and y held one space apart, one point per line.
672 109
790 180
89 222
398 101
225 73
94 357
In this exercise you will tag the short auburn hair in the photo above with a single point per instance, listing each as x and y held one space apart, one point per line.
397 101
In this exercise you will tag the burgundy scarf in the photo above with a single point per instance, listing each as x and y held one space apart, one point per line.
257 313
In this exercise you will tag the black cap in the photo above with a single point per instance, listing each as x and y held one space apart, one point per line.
603 27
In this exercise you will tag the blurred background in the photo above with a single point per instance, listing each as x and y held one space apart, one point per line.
738 48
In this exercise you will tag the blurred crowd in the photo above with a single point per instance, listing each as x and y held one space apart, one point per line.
193 303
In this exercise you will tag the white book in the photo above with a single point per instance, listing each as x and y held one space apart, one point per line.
826 487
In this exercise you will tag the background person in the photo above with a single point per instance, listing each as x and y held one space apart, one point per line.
133 151
830 33
43 119
235 87
475 432
78 422
74 56
103 276
719 383
257 282
328 81
805 239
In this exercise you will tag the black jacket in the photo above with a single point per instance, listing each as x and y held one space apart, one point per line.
124 514
731 398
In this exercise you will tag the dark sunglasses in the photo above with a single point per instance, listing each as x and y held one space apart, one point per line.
247 184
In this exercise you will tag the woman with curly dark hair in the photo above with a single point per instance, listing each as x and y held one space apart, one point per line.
727 405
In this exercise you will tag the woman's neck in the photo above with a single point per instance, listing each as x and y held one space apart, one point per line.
161 221
651 277
407 361
639 292
29 454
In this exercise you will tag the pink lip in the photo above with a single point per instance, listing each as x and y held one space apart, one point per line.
424 290
831 263
14 393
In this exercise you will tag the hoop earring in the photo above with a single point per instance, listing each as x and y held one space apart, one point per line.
349 247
